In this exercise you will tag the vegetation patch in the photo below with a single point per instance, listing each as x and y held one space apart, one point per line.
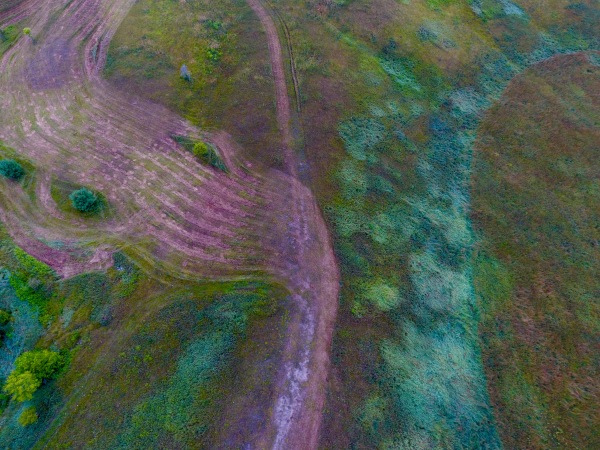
204 152
13 166
396 188
8 36
11 169
535 273
77 201
84 200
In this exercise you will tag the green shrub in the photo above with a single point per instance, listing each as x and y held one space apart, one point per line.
5 317
28 417
43 364
22 386
206 153
11 169
31 368
84 200
214 54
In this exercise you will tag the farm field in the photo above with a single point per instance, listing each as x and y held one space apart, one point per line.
350 224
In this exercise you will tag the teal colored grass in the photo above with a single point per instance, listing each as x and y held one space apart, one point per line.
175 372
405 247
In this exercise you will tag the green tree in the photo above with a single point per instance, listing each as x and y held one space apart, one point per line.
84 200
27 31
22 386
11 169
43 364
28 416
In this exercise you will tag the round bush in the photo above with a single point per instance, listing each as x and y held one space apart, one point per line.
11 169
84 200
28 416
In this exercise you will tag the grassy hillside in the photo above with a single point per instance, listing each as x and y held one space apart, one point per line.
224 49
394 93
535 203
392 97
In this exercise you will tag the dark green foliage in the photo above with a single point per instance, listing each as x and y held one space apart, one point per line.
4 399
62 192
5 325
84 200
43 364
11 169
5 317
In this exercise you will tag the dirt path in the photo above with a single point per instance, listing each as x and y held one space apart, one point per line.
314 279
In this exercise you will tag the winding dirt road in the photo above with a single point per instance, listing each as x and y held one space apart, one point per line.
314 279
182 218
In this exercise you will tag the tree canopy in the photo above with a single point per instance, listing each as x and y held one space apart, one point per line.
11 169
22 386
84 200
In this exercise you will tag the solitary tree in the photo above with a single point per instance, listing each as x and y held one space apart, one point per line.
84 200
27 31
11 169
